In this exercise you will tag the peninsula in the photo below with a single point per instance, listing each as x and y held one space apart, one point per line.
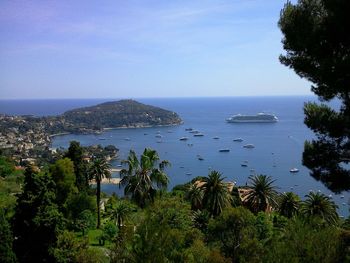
29 137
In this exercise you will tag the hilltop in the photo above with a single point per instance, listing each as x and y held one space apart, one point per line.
122 113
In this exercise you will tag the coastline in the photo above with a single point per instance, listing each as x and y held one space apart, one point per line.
59 134
141 126
114 128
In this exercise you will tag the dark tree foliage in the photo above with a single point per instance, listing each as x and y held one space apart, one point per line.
37 219
75 153
6 252
6 166
236 235
62 172
317 44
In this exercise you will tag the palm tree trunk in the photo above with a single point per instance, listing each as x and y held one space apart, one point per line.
119 223
98 197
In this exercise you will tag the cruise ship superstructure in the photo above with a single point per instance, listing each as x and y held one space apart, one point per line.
260 117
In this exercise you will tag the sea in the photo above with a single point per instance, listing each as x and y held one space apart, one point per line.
278 146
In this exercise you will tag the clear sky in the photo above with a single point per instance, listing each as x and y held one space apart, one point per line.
131 49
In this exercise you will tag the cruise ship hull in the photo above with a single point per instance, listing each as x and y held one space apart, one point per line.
259 118
251 121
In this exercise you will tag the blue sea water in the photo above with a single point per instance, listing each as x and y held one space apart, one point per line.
278 146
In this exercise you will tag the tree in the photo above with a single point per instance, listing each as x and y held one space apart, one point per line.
85 221
288 205
62 173
216 195
262 194
194 194
78 203
143 177
320 206
234 231
68 247
75 153
301 242
99 169
317 44
37 219
109 232
121 212
6 252
6 166
164 232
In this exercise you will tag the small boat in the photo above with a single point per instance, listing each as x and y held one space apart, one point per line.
216 138
102 138
244 164
238 140
249 146
127 139
188 129
188 173
342 197
145 134
198 135
224 150
159 136
200 158
119 165
183 139
294 170
194 131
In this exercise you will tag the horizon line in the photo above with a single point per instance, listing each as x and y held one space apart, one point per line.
136 98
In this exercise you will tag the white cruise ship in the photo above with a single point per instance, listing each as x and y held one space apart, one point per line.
260 117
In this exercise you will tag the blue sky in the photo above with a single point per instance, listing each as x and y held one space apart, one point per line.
131 49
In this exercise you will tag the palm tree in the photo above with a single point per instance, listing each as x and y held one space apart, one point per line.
288 204
195 195
216 195
99 169
143 177
121 213
262 194
318 205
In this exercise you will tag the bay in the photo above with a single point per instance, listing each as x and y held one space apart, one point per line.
278 146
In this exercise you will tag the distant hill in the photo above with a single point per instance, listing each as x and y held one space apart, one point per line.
123 113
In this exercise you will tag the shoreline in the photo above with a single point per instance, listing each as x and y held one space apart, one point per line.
115 128
140 127
59 134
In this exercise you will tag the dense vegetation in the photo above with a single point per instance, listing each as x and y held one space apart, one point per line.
123 113
317 41
53 214
56 217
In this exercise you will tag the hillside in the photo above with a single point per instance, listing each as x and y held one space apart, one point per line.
123 113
